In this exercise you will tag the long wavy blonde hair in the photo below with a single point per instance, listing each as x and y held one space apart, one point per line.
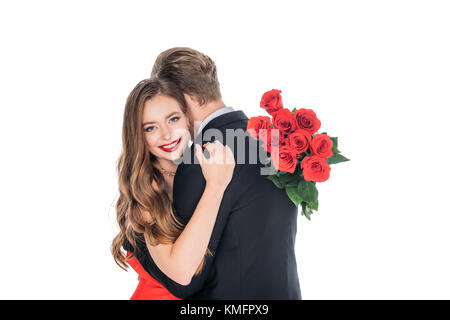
141 186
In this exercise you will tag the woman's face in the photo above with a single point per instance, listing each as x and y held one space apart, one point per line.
165 127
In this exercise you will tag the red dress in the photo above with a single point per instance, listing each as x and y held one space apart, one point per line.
148 288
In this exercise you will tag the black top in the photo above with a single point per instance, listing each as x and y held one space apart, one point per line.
253 239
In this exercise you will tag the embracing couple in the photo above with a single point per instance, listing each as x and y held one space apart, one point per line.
197 218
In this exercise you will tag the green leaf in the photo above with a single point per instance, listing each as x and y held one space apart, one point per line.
306 214
336 159
308 191
275 181
289 179
305 211
335 145
293 195
314 205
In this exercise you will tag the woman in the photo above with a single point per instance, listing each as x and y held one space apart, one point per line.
155 133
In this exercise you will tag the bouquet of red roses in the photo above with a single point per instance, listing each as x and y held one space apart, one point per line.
300 155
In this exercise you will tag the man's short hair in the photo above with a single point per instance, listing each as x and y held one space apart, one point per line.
193 72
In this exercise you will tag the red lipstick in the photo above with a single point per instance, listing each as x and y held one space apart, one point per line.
170 147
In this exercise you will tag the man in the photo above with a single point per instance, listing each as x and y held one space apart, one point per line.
253 240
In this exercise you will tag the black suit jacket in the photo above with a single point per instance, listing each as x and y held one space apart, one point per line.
254 236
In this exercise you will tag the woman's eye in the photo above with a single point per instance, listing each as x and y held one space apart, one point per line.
150 128
175 119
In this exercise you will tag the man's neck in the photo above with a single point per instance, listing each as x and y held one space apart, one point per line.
209 108
204 112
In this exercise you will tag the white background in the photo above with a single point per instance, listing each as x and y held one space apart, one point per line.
377 73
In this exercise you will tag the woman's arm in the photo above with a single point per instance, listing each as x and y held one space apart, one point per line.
180 260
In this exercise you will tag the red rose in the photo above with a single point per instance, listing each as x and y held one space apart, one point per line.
299 141
306 119
283 159
322 145
269 140
255 124
271 101
315 168
284 121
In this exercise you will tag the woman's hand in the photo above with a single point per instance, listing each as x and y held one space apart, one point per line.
218 168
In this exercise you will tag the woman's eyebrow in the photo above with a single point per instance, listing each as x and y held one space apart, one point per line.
168 116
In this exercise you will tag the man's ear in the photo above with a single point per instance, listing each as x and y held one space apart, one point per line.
190 100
